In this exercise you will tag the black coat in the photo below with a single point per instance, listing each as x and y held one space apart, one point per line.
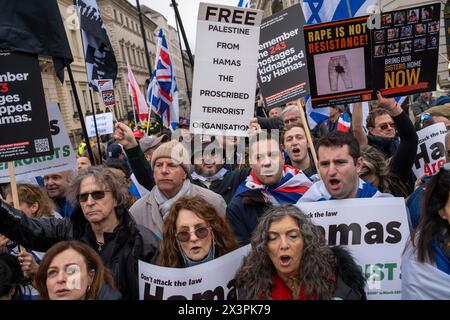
127 244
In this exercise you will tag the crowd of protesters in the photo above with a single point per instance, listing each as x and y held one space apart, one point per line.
179 200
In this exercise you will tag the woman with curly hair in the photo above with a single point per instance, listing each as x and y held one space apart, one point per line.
290 260
194 233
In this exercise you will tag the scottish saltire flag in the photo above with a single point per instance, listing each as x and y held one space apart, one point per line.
317 115
318 11
162 92
98 52
244 3
138 98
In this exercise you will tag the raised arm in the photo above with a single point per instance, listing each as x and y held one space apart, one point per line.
357 125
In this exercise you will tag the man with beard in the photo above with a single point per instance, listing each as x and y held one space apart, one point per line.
340 162
270 183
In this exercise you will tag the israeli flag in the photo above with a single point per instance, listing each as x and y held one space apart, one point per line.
317 115
318 11
244 3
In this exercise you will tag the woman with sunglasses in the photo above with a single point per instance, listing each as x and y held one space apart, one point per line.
100 219
426 260
194 233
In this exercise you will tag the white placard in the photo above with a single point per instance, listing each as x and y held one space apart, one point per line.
213 280
226 57
104 124
374 230
62 159
430 150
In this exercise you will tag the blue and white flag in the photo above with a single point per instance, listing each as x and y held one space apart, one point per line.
318 11
317 115
98 52
162 92
244 3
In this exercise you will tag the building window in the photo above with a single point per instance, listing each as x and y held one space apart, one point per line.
74 39
74 106
121 18
123 52
115 14
129 56
85 100
127 22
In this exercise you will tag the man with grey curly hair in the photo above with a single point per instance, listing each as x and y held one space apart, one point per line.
290 260
100 219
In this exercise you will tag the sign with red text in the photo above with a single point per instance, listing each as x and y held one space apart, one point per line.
282 71
24 129
430 150
226 55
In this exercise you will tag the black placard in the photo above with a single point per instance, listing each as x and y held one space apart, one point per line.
24 126
282 70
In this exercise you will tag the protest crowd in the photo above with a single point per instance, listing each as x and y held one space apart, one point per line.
155 195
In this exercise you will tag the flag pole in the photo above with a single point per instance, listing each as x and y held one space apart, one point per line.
308 134
182 60
186 44
14 193
141 21
80 112
95 126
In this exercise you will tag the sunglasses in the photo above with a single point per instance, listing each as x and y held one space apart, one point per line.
384 126
96 195
201 233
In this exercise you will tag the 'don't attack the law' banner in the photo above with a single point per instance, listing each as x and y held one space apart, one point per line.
430 150
374 230
282 70
24 127
63 157
338 55
212 280
406 47
226 58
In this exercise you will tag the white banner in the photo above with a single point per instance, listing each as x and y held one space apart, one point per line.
213 280
104 124
226 56
375 231
430 150
62 159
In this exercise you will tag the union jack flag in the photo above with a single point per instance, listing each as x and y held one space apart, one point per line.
163 92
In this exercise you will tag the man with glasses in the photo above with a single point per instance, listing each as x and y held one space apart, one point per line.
171 166
383 124
100 220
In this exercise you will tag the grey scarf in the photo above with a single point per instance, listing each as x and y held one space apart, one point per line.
164 204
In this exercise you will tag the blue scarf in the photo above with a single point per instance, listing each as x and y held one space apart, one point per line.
190 263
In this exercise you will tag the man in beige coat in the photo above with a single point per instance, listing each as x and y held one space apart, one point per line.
171 167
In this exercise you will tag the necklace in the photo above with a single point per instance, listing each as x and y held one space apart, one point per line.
100 245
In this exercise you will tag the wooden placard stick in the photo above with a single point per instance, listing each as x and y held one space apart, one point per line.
300 104
14 193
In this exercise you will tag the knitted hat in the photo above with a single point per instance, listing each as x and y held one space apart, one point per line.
174 150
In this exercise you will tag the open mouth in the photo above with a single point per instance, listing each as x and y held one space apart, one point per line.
285 260
296 150
334 184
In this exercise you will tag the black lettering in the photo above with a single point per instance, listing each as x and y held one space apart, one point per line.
54 129
158 292
394 234
344 230
376 235
224 14
250 18
438 150
423 154
232 294
210 11
209 294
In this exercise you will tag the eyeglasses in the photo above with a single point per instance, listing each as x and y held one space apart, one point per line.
385 126
201 233
96 195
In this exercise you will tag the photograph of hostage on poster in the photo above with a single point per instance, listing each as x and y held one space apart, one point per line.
410 60
282 70
24 126
338 55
